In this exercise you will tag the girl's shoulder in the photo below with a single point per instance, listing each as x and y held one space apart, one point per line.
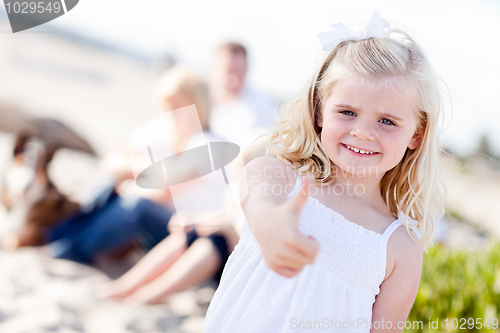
273 171
402 243
403 251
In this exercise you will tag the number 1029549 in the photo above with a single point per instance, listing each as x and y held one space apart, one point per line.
32 7
470 323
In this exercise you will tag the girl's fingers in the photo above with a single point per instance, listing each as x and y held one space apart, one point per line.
307 245
298 202
287 272
294 260
303 249
298 250
297 257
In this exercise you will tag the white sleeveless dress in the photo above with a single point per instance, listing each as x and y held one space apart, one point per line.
336 293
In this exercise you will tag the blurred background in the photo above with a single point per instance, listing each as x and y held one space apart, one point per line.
95 69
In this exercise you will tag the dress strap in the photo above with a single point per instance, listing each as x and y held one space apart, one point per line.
412 225
296 188
391 228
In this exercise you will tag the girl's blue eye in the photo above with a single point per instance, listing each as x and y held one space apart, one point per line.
384 121
387 122
348 113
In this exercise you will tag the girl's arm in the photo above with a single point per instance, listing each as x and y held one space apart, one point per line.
398 291
273 219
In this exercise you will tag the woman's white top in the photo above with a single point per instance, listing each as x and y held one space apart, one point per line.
336 293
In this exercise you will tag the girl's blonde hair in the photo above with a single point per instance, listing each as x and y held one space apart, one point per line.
182 79
416 185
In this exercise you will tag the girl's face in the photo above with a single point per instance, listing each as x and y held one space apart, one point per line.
366 128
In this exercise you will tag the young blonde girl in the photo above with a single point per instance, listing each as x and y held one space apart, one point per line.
330 255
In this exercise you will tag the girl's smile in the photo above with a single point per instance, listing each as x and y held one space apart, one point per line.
359 151
367 126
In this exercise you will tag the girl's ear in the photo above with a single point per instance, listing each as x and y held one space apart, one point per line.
415 140
319 120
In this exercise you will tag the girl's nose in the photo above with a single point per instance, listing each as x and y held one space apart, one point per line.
363 130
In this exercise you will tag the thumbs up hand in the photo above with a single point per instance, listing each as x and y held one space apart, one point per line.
284 248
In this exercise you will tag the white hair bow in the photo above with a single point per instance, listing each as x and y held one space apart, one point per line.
374 28
412 224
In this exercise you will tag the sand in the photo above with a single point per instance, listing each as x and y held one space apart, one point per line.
40 294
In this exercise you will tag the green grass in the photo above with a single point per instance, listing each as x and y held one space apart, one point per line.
458 284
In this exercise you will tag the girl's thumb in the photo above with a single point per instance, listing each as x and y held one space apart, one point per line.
300 198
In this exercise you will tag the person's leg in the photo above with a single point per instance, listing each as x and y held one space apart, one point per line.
224 250
154 263
118 224
151 219
200 262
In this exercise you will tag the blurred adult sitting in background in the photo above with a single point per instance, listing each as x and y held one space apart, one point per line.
39 214
190 255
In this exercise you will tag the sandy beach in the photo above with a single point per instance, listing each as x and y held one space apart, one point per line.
40 294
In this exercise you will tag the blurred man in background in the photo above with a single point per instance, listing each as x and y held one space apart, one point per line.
241 114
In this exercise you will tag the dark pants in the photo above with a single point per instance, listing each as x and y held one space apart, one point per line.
112 223
220 244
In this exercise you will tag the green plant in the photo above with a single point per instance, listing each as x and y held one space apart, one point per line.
458 284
